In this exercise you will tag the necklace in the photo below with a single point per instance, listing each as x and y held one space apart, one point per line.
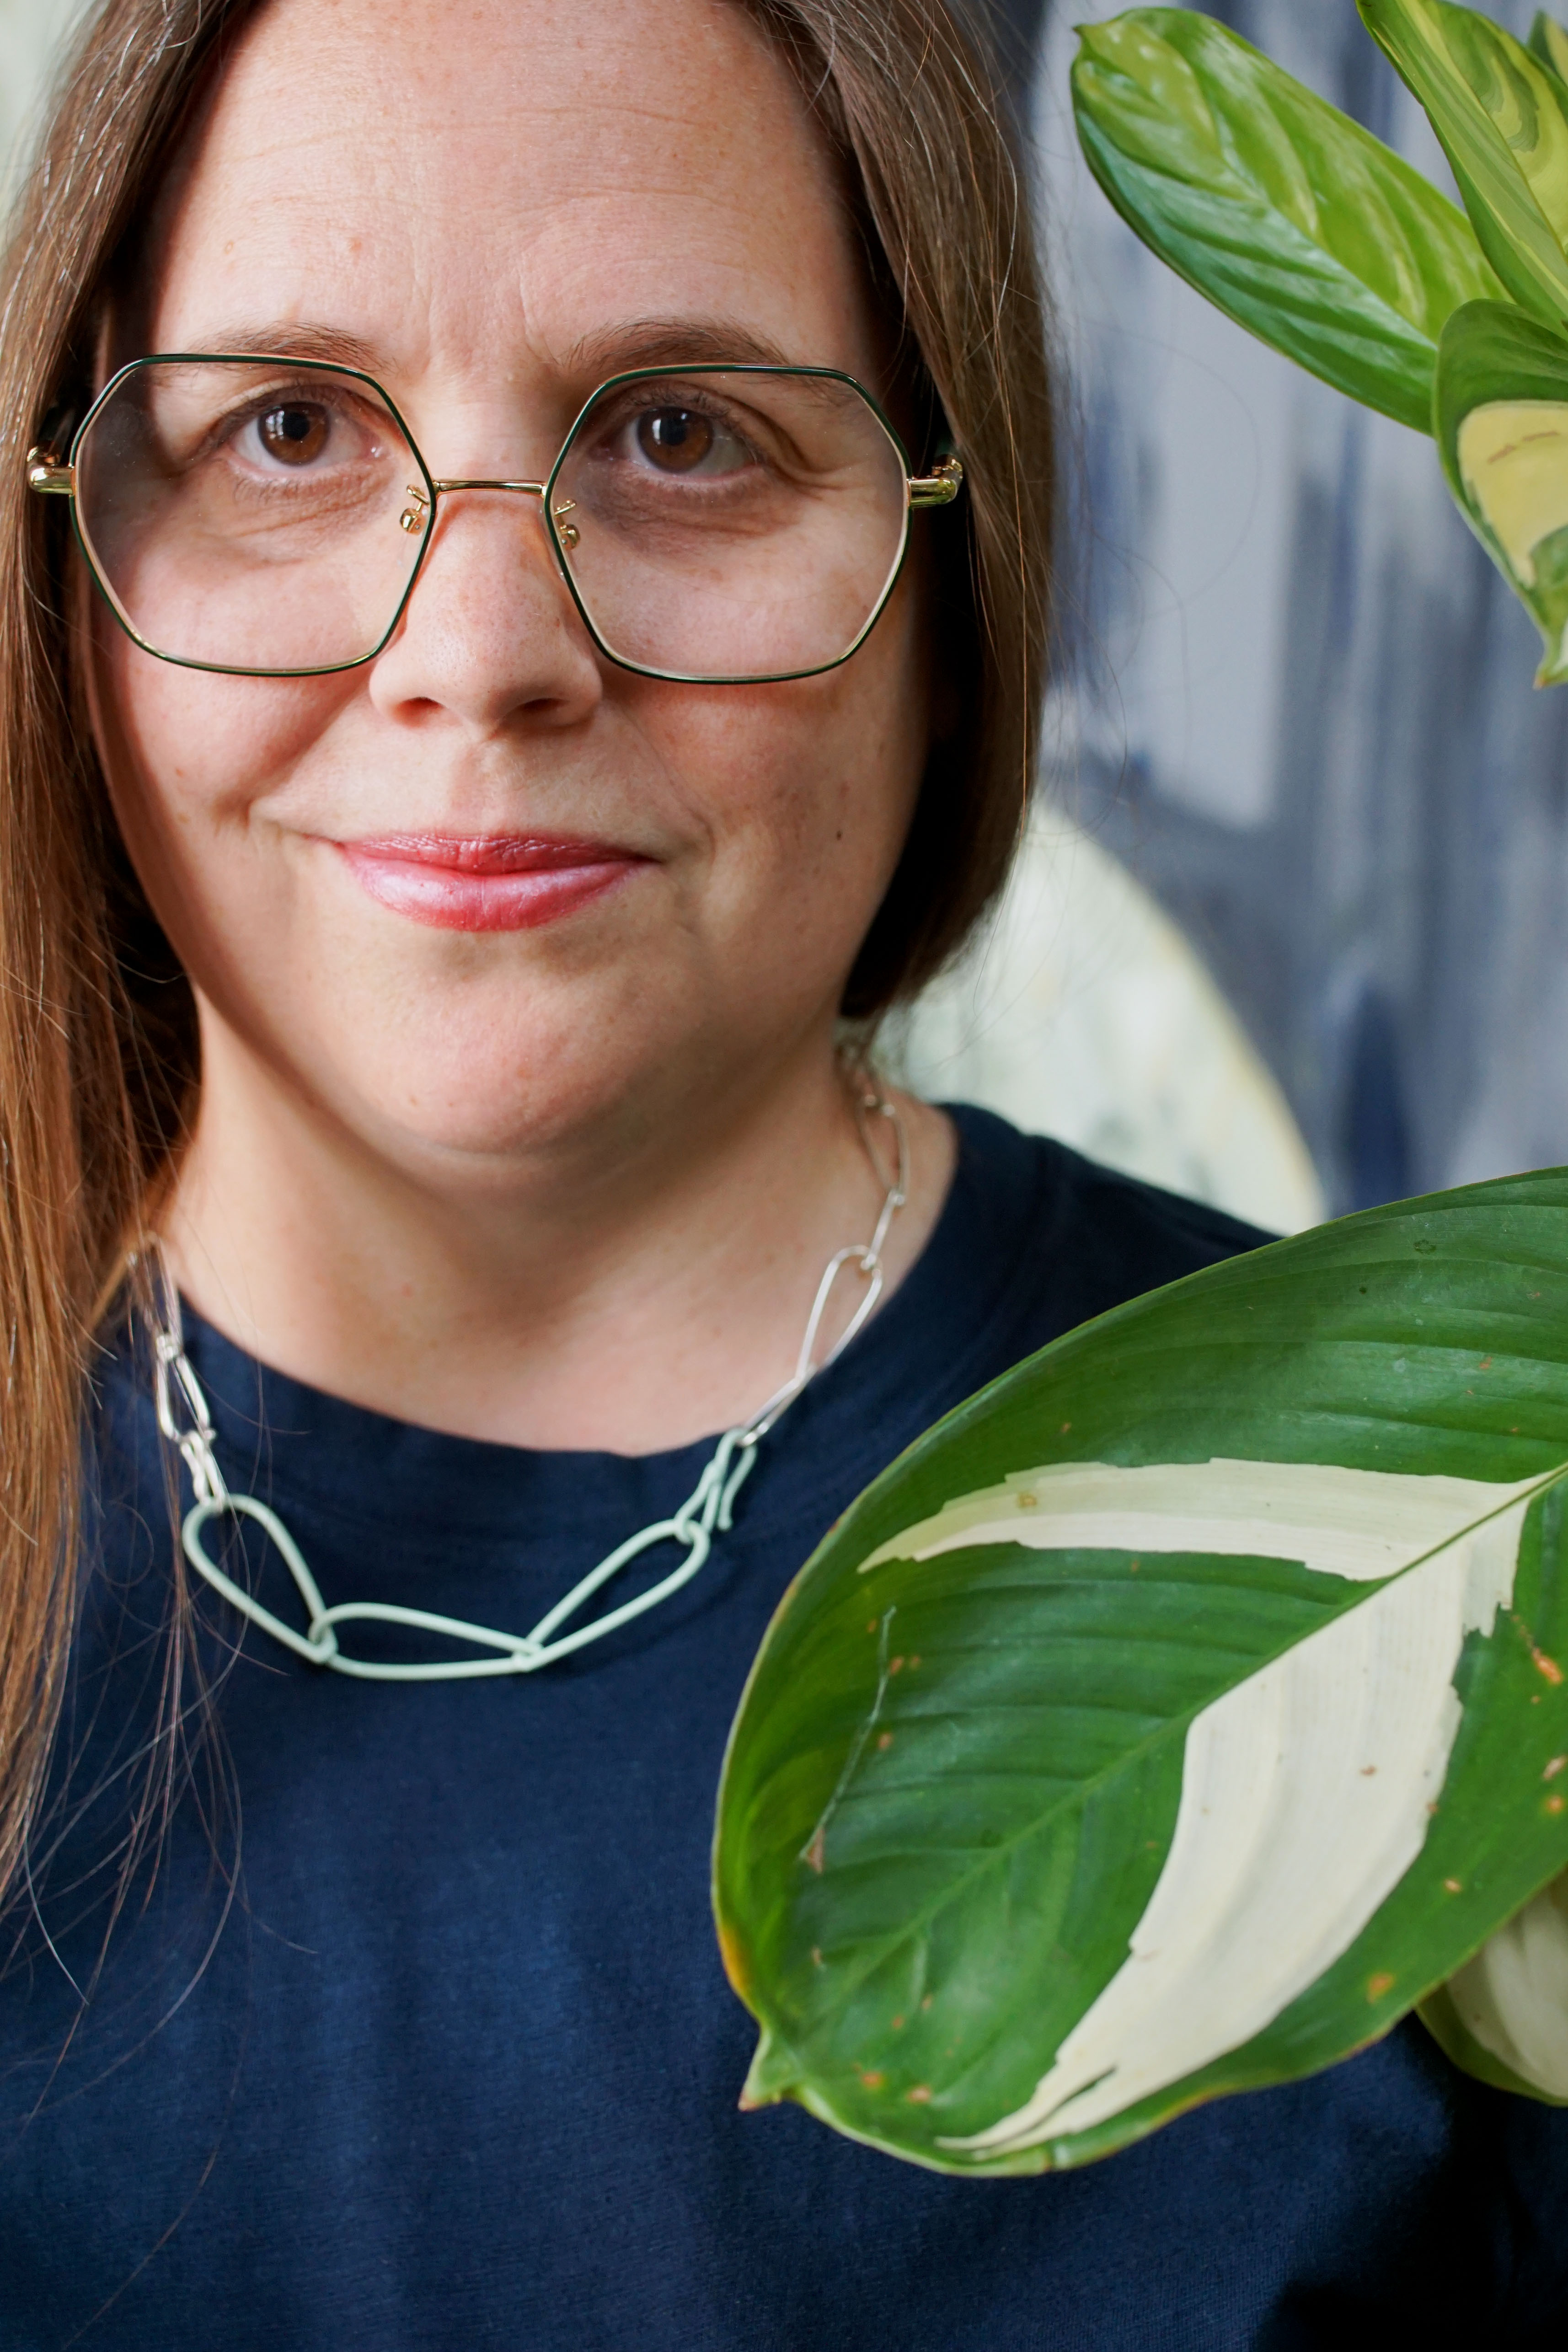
708 1510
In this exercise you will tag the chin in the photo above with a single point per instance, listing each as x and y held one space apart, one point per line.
496 1067
471 1103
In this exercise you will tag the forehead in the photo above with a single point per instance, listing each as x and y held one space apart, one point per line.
501 182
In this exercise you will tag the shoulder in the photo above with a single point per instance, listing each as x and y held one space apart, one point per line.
1074 1238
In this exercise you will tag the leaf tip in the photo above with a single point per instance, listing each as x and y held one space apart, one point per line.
772 2077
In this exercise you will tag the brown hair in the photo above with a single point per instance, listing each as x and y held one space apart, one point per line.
98 1062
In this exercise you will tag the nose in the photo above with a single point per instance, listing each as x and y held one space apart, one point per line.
489 634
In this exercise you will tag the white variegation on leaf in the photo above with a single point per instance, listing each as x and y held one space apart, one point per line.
1513 461
1513 1995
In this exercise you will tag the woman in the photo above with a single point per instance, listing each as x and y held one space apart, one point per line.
481 759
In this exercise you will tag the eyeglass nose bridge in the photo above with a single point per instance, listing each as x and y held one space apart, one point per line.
416 515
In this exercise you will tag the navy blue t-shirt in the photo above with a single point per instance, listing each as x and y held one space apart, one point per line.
413 2031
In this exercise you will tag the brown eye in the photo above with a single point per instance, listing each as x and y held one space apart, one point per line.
677 440
294 435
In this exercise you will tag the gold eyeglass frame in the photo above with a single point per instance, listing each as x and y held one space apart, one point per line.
52 473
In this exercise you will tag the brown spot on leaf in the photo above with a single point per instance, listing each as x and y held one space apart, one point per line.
1065 1427
898 2024
1029 1502
1548 1668
1378 1985
1555 1767
895 1666
1453 1885
1555 1804
816 1956
816 1854
919 2095
1369 1771
1485 1364
873 2081
884 1741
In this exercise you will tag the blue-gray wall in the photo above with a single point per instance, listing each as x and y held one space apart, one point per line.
1298 701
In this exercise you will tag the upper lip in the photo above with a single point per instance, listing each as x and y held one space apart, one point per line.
491 852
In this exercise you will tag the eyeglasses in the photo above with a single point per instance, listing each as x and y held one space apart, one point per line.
268 518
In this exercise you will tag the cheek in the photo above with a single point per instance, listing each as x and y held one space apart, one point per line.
186 754
809 787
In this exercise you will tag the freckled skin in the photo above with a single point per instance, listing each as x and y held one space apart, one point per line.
408 1133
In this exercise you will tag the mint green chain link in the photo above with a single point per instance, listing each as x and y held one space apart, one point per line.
185 1421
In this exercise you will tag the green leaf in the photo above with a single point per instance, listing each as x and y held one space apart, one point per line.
1503 119
1501 2017
1291 218
1549 42
1501 417
1181 1710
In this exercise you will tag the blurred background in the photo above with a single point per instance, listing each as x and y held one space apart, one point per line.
1287 932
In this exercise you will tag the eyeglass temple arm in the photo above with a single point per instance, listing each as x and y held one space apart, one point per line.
47 475
47 471
940 487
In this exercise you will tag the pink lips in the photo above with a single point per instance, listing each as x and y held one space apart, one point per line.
493 883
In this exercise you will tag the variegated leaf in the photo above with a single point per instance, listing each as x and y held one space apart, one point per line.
1182 1710
1502 118
1503 2016
1290 216
1501 417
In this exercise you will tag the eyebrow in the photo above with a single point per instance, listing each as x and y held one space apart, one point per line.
298 340
607 351
666 343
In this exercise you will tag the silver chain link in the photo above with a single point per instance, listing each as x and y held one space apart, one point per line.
185 1421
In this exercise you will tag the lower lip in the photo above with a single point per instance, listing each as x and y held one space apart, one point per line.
487 888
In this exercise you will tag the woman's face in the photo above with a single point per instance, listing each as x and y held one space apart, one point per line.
490 206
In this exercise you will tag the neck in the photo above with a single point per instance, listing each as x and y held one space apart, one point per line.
628 1283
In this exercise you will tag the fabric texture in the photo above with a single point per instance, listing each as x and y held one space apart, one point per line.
411 2032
